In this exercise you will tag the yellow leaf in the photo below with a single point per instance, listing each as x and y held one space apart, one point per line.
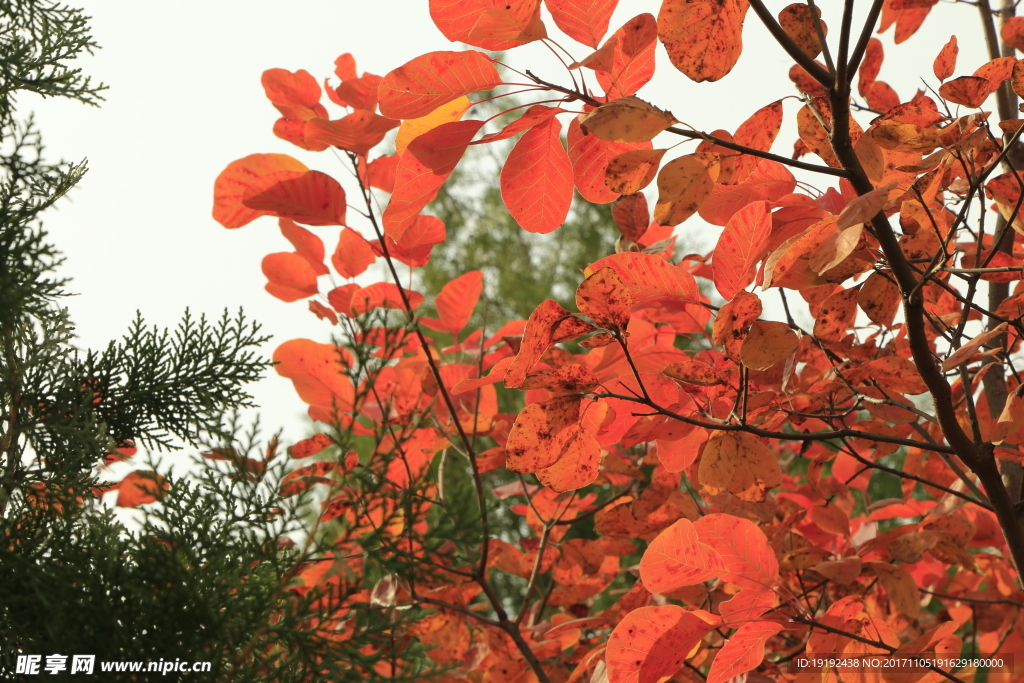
627 119
446 113
683 185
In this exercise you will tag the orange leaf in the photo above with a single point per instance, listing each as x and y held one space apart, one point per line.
536 180
899 586
310 446
576 467
965 352
739 463
307 245
309 197
422 170
632 57
836 315
425 83
340 298
291 277
683 186
456 19
516 20
233 182
140 487
677 558
970 91
605 299
695 372
750 562
767 343
358 132
740 247
585 21
770 180
446 113
456 301
799 24
758 132
537 337
317 371
1012 32
651 280
295 95
945 62
879 298
590 156
383 295
353 255
417 241
865 207
651 643
630 172
743 652
703 39
542 432
747 605
380 173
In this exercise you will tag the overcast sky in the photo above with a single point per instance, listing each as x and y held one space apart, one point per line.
185 100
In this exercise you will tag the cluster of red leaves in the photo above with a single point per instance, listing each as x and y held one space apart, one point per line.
663 391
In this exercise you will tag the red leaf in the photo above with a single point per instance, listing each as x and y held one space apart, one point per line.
590 156
769 181
417 241
457 18
140 487
340 298
382 295
871 65
358 93
291 277
534 116
651 280
632 58
631 216
741 246
233 182
703 39
455 303
353 254
358 132
749 561
651 643
307 245
744 651
310 446
677 558
428 81
536 180
309 197
585 21
422 170
380 173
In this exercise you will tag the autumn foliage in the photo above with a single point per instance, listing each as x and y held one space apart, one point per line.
696 476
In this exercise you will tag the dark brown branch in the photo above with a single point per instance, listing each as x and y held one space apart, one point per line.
786 43
865 38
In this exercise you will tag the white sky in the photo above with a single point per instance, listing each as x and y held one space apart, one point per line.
185 100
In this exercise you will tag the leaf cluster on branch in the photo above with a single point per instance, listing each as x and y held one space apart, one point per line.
701 492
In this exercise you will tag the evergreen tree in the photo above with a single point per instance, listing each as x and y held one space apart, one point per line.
207 574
